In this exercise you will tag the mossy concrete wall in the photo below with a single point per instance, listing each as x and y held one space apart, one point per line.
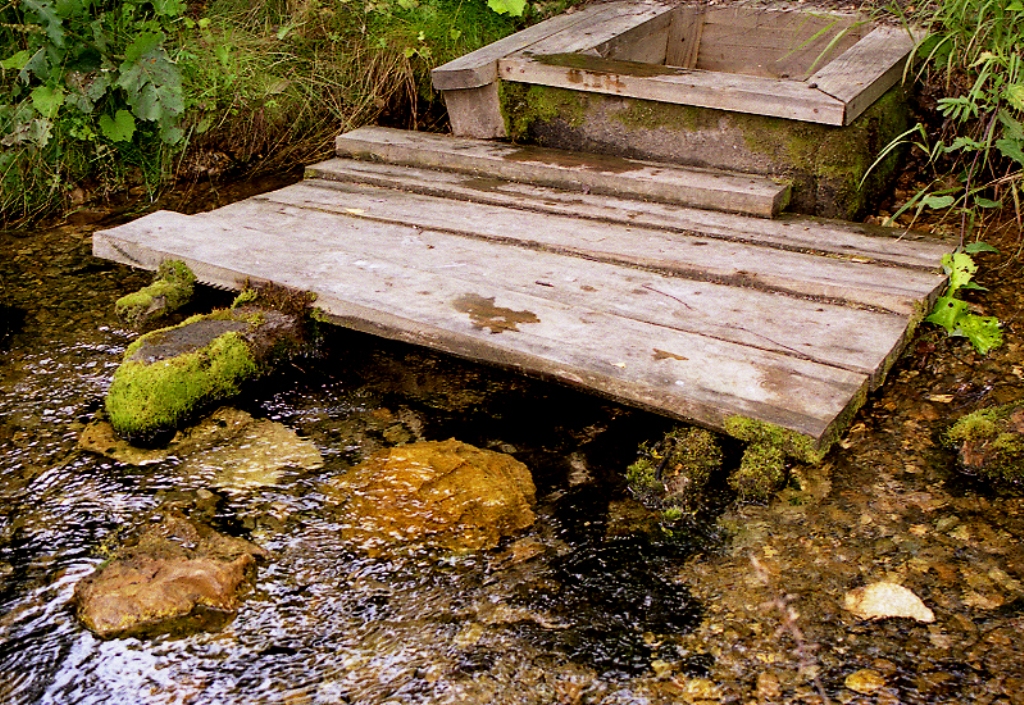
825 164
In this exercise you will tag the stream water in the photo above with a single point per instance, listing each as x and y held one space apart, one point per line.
587 615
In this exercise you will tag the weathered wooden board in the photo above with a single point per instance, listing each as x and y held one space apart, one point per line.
478 68
690 376
606 32
773 43
700 188
866 70
742 264
835 238
782 98
684 37
854 339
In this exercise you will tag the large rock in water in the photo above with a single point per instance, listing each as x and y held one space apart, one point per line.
177 577
171 374
442 493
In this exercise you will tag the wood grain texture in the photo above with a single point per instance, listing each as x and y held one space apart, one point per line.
704 379
606 31
737 263
834 238
684 37
478 68
700 188
866 70
782 98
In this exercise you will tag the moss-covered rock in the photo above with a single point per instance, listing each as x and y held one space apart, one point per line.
762 433
171 374
762 473
171 289
990 443
672 475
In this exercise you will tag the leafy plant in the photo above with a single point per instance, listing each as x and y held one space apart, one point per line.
954 314
974 50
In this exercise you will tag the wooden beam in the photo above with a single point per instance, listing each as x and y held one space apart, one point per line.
478 68
684 36
689 186
606 33
745 94
866 70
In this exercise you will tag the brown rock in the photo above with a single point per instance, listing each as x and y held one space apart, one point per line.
445 493
883 600
177 576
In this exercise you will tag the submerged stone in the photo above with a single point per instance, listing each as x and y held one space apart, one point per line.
990 443
171 289
170 375
442 493
229 448
177 576
883 600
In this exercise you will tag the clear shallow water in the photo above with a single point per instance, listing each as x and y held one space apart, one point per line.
323 624
587 619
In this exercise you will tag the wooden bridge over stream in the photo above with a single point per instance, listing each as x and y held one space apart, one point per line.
678 290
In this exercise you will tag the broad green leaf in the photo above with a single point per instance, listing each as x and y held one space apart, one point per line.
38 66
983 332
1015 6
70 8
158 102
47 16
947 313
47 101
120 128
151 79
1011 149
1014 95
938 202
16 62
972 286
142 46
961 269
514 8
986 202
1011 128
168 8
171 134
976 247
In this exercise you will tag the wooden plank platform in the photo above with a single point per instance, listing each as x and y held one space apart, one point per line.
701 316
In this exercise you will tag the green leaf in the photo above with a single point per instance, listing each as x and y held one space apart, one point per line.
986 202
17 61
983 332
937 202
151 79
514 8
973 286
168 8
976 247
47 101
947 313
47 16
142 46
961 269
120 128
38 66
158 102
1011 128
1014 95
1011 149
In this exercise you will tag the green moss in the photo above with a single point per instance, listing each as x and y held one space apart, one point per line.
523 105
148 399
675 471
991 443
171 289
762 473
789 442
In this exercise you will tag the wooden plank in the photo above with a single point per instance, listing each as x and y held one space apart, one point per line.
690 256
608 30
866 71
702 379
699 188
684 37
645 42
793 100
478 68
834 238
853 339
475 112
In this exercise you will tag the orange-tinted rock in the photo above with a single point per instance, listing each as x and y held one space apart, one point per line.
443 493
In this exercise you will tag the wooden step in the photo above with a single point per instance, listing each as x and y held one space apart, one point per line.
840 239
687 255
586 173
